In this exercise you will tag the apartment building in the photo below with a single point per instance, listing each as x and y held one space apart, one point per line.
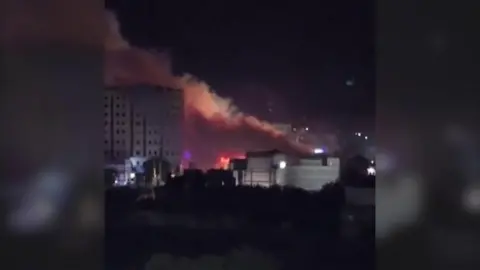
143 121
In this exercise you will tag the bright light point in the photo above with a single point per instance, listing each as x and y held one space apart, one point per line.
372 161
282 164
318 151
371 171
132 175
366 137
306 128
172 175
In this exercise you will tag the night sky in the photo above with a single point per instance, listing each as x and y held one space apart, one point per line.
297 56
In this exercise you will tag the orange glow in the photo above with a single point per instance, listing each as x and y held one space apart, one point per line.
128 65
223 163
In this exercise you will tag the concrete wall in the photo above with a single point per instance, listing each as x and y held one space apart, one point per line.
264 171
309 174
312 174
258 178
259 163
309 177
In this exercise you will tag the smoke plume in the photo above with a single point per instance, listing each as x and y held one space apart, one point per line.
129 65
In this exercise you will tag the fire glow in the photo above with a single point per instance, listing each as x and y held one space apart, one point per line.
223 161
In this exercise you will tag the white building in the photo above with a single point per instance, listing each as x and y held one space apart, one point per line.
275 168
312 172
264 168
143 121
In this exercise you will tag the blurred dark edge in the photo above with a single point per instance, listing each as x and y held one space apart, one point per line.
427 81
51 71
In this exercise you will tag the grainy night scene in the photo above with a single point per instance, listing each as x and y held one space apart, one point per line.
239 135
298 135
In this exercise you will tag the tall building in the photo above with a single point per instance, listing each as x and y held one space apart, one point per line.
143 121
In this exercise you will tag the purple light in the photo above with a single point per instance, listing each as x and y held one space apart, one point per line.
187 155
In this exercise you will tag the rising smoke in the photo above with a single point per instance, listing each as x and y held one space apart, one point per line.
127 64
130 65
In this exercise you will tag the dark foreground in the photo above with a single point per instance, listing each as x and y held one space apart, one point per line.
295 230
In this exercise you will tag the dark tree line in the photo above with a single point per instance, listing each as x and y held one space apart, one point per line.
309 241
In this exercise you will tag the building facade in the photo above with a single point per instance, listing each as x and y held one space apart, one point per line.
267 168
264 168
143 121
312 172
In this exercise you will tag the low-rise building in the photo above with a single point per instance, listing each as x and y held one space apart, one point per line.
267 168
